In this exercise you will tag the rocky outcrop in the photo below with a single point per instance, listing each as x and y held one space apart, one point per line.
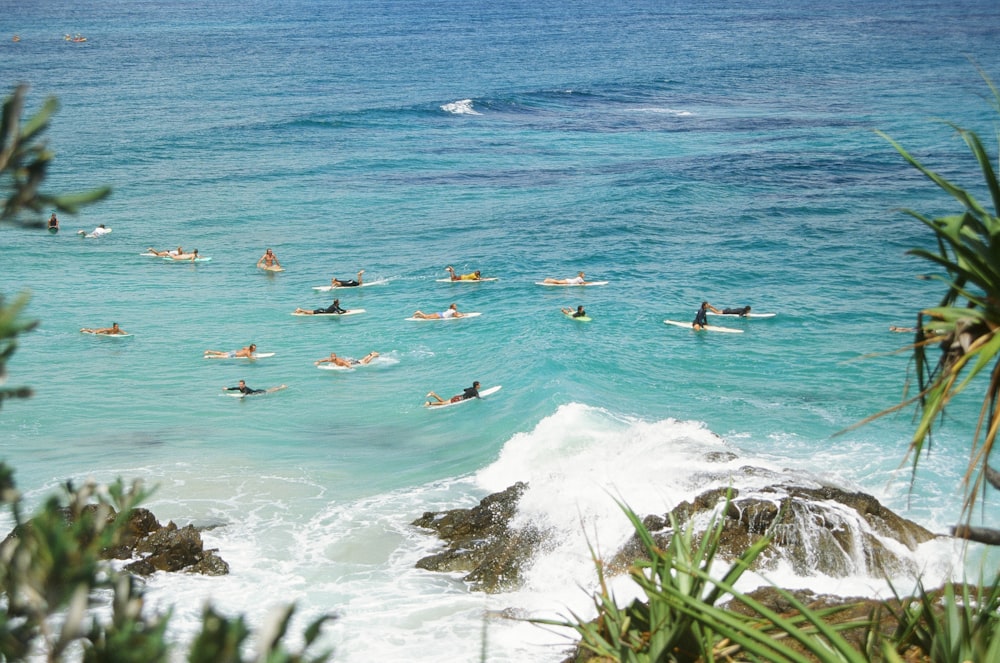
822 530
155 547
818 530
482 544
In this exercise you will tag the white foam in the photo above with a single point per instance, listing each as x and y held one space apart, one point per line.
461 107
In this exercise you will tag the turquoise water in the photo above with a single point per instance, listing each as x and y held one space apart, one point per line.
678 151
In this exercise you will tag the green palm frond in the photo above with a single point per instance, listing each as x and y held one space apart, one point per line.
965 326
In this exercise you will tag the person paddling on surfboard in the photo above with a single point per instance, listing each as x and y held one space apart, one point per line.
247 352
184 256
450 312
347 362
579 279
166 254
332 308
268 260
701 317
347 283
113 330
471 276
742 311
247 391
578 313
470 392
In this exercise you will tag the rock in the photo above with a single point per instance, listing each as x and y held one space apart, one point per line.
822 530
162 548
481 542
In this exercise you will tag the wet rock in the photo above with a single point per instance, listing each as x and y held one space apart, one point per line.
481 542
822 530
157 547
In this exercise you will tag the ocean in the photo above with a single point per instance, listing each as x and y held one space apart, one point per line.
681 151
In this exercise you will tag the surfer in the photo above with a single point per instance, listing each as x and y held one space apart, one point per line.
741 311
332 308
471 276
99 231
701 317
579 279
53 223
347 362
470 392
578 313
247 352
450 312
268 260
113 330
244 389
183 256
166 254
247 391
347 283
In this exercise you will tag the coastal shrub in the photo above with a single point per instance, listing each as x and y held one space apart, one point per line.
955 624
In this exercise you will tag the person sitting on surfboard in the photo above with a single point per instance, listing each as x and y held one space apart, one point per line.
332 308
701 317
347 362
579 313
470 392
471 276
53 223
347 283
742 311
113 330
247 352
450 312
579 279
268 260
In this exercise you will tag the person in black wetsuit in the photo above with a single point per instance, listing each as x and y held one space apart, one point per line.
244 389
701 317
332 308
742 311
579 313
347 283
470 392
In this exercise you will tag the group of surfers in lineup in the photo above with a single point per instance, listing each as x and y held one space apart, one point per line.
270 261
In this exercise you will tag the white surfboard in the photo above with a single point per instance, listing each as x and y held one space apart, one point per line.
350 311
485 278
272 269
256 355
198 259
482 394
748 315
712 328
328 288
475 314
270 390
571 285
